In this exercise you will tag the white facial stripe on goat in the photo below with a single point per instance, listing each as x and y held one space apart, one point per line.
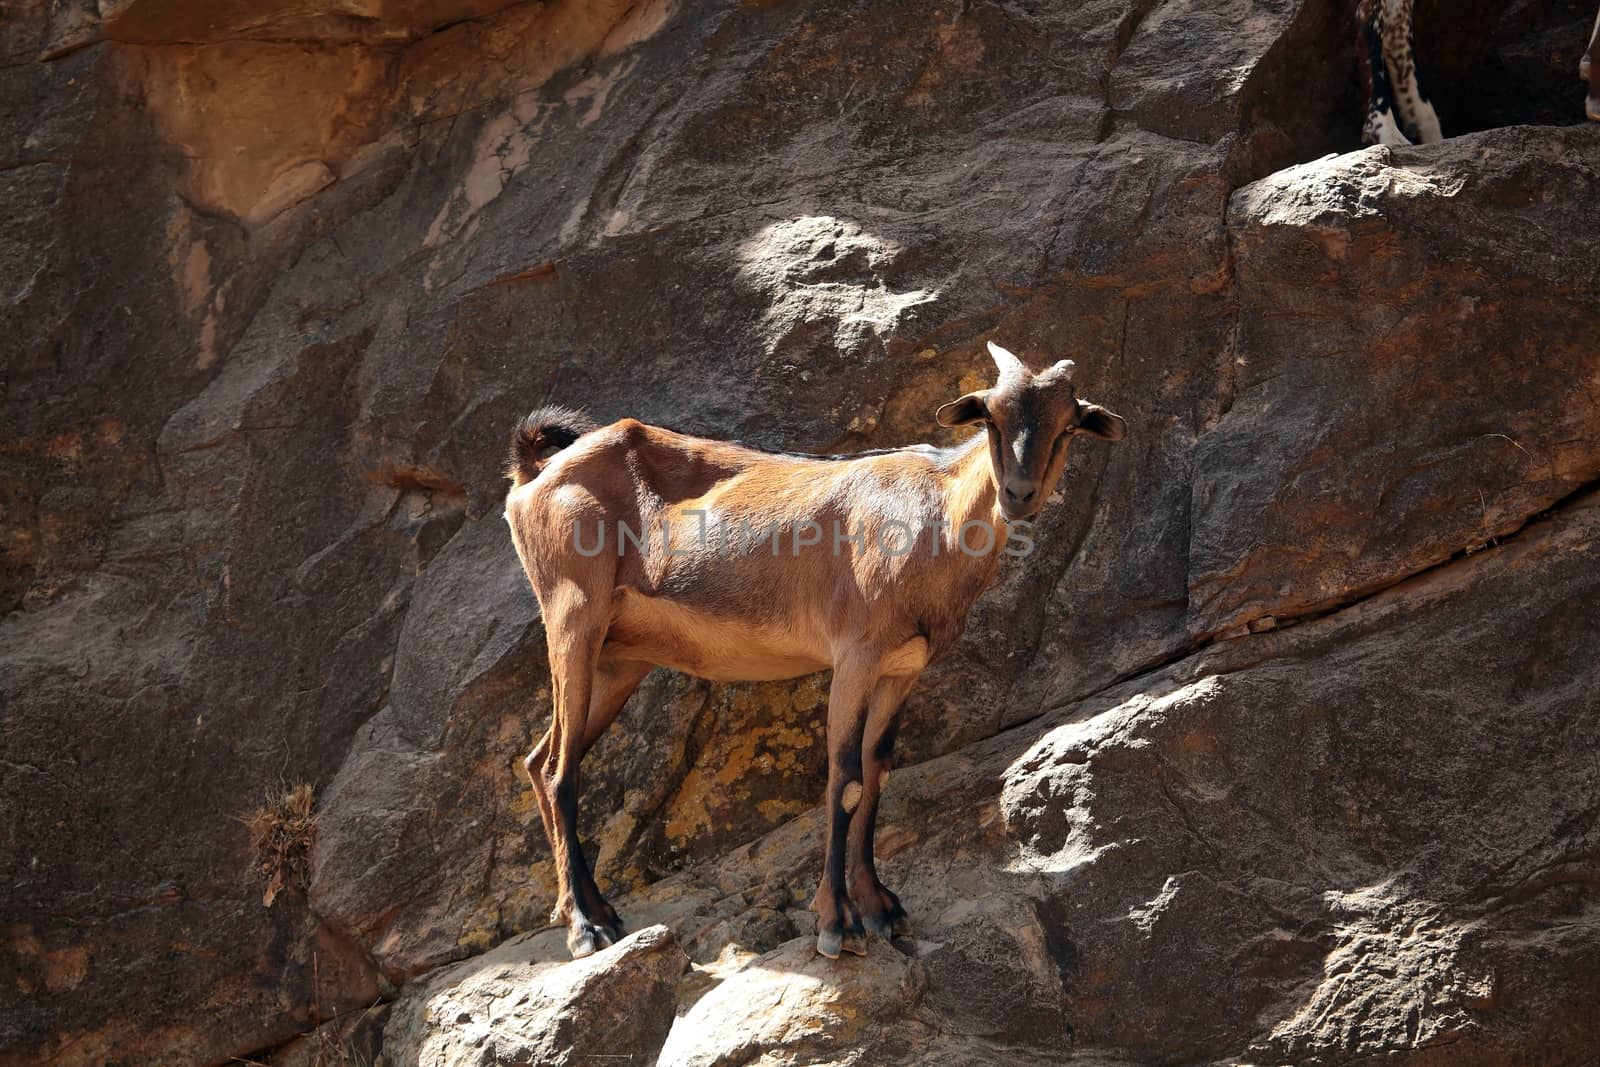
1019 445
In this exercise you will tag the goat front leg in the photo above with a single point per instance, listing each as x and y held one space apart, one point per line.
881 912
838 923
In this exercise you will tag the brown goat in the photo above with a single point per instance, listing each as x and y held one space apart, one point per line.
651 548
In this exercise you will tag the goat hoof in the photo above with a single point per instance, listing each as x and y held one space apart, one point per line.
591 937
855 941
829 942
581 945
879 926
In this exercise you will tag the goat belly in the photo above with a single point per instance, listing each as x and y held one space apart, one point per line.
668 634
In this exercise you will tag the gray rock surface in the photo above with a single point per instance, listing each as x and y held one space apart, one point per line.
1416 370
502 1009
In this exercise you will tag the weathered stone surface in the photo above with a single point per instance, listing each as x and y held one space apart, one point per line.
284 274
1416 369
503 1010
353 1037
794 1006
1416 824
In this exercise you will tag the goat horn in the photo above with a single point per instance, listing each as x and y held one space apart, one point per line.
1062 369
1009 365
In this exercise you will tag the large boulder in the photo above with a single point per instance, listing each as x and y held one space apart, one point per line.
1415 373
509 1007
792 1005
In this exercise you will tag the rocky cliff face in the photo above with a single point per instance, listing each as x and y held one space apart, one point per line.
1284 747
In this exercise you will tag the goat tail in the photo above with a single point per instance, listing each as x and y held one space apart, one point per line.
541 435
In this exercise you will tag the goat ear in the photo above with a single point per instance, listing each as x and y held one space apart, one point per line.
968 409
1096 420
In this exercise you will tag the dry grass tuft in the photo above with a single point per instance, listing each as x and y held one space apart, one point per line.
282 832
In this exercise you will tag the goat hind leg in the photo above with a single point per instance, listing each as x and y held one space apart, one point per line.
538 766
593 924
615 682
575 632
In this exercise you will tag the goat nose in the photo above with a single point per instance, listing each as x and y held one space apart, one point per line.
1021 494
